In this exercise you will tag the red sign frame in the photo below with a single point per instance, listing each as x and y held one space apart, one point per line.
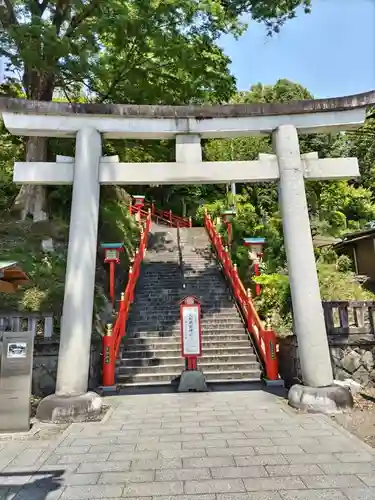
190 302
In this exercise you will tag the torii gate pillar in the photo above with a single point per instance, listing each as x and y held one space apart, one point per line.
71 394
318 391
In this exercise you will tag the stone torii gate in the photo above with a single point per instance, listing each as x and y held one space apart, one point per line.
88 123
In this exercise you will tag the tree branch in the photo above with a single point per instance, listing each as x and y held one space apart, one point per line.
7 14
5 53
62 8
78 19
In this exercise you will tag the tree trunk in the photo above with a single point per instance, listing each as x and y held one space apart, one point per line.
31 199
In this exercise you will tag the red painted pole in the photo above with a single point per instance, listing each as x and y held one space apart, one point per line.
257 273
229 227
108 358
170 217
112 265
271 357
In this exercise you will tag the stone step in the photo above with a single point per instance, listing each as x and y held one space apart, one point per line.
173 343
136 379
230 359
157 324
174 352
215 366
208 335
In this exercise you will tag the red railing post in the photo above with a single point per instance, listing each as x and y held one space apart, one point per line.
170 217
108 362
130 283
272 368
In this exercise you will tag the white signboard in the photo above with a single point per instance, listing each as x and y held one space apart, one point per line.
190 331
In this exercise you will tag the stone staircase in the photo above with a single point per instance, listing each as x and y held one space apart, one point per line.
151 352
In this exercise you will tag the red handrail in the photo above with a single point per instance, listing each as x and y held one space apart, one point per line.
111 345
265 340
165 215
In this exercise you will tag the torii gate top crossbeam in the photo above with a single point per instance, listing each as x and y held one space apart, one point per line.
51 119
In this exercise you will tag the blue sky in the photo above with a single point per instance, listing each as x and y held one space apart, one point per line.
331 52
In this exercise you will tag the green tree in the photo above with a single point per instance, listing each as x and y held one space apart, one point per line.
130 50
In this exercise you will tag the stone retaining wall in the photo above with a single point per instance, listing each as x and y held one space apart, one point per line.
45 366
352 357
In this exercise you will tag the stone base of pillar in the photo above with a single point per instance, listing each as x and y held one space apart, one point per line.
67 409
192 380
331 399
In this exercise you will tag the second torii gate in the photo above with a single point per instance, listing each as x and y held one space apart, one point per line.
188 125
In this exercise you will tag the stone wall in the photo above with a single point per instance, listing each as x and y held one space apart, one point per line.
45 366
351 358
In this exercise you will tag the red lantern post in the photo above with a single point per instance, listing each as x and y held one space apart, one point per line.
112 257
227 217
139 201
255 253
191 331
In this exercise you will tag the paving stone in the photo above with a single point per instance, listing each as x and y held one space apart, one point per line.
258 495
224 435
359 493
225 452
180 438
311 458
199 452
207 443
313 495
214 486
86 458
260 460
275 450
238 472
154 488
159 446
354 457
72 450
273 483
104 467
293 470
207 462
182 474
332 481
27 457
153 464
235 443
266 434
349 468
185 497
90 492
368 479
136 476
293 441
80 479
133 455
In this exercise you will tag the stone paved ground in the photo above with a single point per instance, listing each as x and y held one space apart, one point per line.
209 446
